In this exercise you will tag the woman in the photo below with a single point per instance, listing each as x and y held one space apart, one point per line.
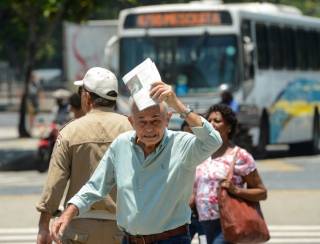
212 172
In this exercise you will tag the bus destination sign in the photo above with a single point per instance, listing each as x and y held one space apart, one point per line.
178 19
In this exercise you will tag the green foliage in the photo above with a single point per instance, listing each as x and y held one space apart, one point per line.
28 27
26 20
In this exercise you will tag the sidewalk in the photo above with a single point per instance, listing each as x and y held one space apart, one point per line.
12 103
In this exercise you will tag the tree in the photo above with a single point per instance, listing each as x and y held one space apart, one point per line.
28 27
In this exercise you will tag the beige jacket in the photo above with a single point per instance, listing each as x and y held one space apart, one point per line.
77 152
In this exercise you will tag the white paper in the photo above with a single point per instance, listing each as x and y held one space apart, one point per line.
139 81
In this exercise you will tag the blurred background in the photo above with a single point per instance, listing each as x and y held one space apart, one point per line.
259 57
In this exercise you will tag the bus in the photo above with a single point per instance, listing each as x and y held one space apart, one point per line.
267 55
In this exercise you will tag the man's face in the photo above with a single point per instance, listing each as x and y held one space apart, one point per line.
149 124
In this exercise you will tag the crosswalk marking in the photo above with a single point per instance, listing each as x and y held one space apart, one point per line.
294 227
284 234
32 178
18 235
295 234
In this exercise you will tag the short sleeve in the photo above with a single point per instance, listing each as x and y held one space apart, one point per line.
245 163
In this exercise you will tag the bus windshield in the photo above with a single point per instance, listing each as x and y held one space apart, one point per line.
191 64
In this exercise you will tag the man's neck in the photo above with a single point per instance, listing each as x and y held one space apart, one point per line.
147 149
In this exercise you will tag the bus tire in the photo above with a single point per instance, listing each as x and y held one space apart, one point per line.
263 134
315 143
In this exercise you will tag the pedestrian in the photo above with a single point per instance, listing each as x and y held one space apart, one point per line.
77 152
153 168
210 175
75 105
61 109
228 99
194 227
33 100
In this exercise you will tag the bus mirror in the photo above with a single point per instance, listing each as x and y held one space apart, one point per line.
112 54
248 48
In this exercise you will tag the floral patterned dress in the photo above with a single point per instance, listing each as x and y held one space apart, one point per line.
211 172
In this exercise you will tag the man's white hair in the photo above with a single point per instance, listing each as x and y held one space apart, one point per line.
132 104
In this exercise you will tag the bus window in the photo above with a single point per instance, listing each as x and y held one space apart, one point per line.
301 54
199 64
275 47
313 49
317 52
262 46
289 50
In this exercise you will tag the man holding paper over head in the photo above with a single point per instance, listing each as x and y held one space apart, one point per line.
153 168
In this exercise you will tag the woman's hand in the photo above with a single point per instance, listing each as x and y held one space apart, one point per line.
230 187
255 190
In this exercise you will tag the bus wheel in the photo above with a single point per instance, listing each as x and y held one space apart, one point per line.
263 134
315 143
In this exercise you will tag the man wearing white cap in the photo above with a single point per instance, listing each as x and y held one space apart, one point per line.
78 150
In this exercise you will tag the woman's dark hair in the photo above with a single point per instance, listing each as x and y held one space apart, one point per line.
228 115
184 123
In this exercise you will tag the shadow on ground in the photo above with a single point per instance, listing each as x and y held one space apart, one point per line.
18 160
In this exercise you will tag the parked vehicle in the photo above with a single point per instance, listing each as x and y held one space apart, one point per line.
45 147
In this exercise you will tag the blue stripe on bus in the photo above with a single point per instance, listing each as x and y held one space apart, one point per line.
298 99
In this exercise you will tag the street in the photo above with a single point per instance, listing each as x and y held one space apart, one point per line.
292 209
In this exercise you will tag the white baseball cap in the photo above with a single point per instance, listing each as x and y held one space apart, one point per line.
99 81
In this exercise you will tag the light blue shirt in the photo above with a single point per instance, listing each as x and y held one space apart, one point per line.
153 191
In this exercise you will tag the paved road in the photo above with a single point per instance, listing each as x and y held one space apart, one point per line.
289 234
292 209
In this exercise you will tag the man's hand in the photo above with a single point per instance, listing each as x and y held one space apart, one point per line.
162 92
60 225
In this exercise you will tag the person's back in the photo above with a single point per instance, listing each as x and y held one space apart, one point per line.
79 147
89 137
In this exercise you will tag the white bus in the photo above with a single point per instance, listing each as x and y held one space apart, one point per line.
268 55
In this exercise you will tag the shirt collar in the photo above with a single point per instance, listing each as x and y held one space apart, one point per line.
101 109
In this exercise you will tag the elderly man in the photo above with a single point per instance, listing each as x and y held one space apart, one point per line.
78 150
154 171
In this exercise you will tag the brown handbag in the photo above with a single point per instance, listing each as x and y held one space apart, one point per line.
241 220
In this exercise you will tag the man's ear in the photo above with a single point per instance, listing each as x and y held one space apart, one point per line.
131 120
86 101
169 117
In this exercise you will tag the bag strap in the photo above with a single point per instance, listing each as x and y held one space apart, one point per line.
233 163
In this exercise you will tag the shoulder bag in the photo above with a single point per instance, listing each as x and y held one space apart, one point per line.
241 220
